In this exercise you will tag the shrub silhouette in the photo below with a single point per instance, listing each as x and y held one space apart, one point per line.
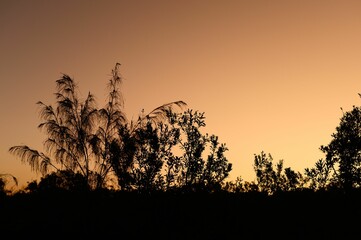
271 180
4 179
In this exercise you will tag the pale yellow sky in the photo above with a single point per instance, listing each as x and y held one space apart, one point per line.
269 75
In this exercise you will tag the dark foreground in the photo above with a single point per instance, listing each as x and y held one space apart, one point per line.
105 215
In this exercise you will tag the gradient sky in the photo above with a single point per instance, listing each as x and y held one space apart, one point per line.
269 75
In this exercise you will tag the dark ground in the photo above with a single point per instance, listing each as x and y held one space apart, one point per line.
105 215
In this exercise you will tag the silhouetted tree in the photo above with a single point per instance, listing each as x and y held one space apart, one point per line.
217 167
193 146
110 119
148 159
195 169
273 178
69 127
267 177
101 144
140 149
343 153
319 177
121 157
155 163
80 136
169 138
293 180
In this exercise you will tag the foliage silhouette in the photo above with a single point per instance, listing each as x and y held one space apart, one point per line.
318 177
169 155
342 166
80 135
101 144
196 170
4 178
171 179
272 180
60 181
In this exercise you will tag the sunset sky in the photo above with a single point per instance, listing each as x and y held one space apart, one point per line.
270 75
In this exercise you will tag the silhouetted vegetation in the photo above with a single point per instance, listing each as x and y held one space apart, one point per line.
160 176
4 179
341 169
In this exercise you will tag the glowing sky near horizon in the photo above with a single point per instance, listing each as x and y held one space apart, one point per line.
270 75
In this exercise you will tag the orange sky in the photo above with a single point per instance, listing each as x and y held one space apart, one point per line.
269 75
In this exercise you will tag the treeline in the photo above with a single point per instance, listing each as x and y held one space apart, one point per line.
89 148
159 176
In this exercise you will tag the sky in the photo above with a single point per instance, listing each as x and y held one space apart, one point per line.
269 75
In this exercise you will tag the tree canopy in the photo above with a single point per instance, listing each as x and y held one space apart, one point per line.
166 149
104 147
